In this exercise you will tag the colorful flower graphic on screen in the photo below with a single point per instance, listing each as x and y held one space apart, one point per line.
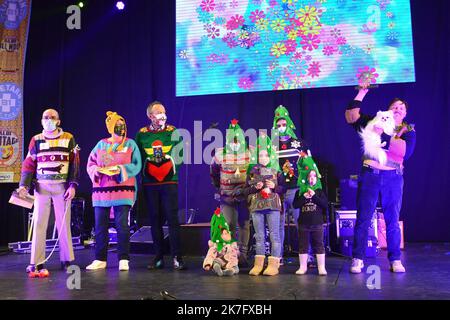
255 45
366 76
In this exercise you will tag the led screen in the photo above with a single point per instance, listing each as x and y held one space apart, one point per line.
226 46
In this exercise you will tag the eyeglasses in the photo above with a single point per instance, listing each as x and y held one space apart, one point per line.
281 125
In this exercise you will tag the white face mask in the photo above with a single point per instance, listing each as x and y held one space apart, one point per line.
159 120
282 129
49 125
235 146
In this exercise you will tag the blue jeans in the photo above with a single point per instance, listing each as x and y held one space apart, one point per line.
102 235
288 209
273 222
371 184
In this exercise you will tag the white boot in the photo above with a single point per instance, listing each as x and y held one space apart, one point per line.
321 264
123 265
303 258
96 265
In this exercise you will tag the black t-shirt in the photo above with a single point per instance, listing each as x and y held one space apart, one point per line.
312 211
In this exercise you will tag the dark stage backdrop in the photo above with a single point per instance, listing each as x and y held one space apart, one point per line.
123 60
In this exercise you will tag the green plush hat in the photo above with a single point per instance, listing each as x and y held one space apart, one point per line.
282 113
305 165
264 143
218 224
234 134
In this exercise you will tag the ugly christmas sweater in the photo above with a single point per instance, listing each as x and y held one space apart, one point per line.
51 159
162 155
228 173
289 152
120 189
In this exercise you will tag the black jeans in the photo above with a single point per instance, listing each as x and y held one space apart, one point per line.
162 201
313 232
102 236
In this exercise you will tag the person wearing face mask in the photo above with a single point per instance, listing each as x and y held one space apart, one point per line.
313 203
228 171
263 189
384 180
290 150
53 160
113 165
162 153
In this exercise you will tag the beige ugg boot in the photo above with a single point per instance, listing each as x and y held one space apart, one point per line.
272 268
303 258
321 264
258 266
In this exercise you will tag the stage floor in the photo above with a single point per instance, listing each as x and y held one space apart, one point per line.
427 277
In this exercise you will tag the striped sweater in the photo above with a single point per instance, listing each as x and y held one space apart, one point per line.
108 191
229 173
51 159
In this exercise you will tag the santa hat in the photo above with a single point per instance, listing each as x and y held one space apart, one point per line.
218 224
282 113
305 165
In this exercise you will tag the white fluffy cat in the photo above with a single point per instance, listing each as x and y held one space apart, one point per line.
371 141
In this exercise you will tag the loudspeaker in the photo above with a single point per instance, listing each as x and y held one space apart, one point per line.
345 225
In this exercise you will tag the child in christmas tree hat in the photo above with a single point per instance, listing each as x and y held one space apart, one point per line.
222 256
282 113
305 165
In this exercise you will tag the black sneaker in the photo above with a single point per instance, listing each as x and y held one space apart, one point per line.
178 263
158 263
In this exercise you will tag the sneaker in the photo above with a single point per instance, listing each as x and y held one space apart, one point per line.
178 263
96 265
123 265
357 265
397 267
41 273
158 263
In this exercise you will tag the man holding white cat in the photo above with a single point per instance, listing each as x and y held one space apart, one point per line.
385 150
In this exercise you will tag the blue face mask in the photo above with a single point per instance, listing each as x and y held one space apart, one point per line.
49 125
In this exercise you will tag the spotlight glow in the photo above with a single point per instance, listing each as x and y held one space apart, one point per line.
81 4
120 5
